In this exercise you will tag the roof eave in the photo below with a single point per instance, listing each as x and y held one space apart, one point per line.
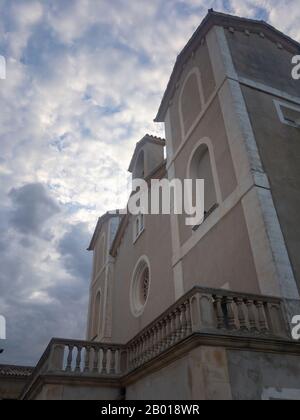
98 227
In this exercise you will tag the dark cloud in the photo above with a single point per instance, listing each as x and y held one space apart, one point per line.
71 249
30 327
41 297
44 276
32 208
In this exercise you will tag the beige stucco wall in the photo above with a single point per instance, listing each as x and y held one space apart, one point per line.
201 374
155 243
100 283
223 257
11 387
210 129
79 392
200 62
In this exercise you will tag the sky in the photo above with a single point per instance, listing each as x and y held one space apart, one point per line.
84 82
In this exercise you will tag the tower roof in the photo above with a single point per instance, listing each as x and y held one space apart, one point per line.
146 139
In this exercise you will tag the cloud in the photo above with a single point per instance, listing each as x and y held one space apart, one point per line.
84 82
32 207
70 247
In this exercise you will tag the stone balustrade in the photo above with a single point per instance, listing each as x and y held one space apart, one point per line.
80 358
86 358
207 311
201 311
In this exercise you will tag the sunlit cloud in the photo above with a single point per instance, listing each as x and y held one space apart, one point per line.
84 82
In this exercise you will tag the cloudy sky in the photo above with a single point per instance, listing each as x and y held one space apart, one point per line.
84 82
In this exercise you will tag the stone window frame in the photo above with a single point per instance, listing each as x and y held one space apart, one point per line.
138 306
282 104
138 226
208 143
195 70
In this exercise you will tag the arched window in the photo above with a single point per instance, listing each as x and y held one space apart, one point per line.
190 101
140 286
138 227
97 315
201 168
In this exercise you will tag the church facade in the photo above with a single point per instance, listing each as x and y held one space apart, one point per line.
201 312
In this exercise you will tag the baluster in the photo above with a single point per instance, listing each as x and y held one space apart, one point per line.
70 358
149 345
152 342
164 334
136 351
161 336
78 359
173 328
184 321
104 361
146 348
87 359
112 370
156 342
241 315
143 347
263 326
177 324
159 344
251 316
219 311
188 317
169 330
96 359
131 356
230 313
140 350
134 354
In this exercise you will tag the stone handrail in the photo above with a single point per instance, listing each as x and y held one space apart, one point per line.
83 358
208 311
90 358
201 310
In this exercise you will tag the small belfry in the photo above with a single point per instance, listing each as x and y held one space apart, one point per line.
148 156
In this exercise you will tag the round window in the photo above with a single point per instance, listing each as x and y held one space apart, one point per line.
140 285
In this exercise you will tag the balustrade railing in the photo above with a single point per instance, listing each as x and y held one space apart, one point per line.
86 358
205 310
202 310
